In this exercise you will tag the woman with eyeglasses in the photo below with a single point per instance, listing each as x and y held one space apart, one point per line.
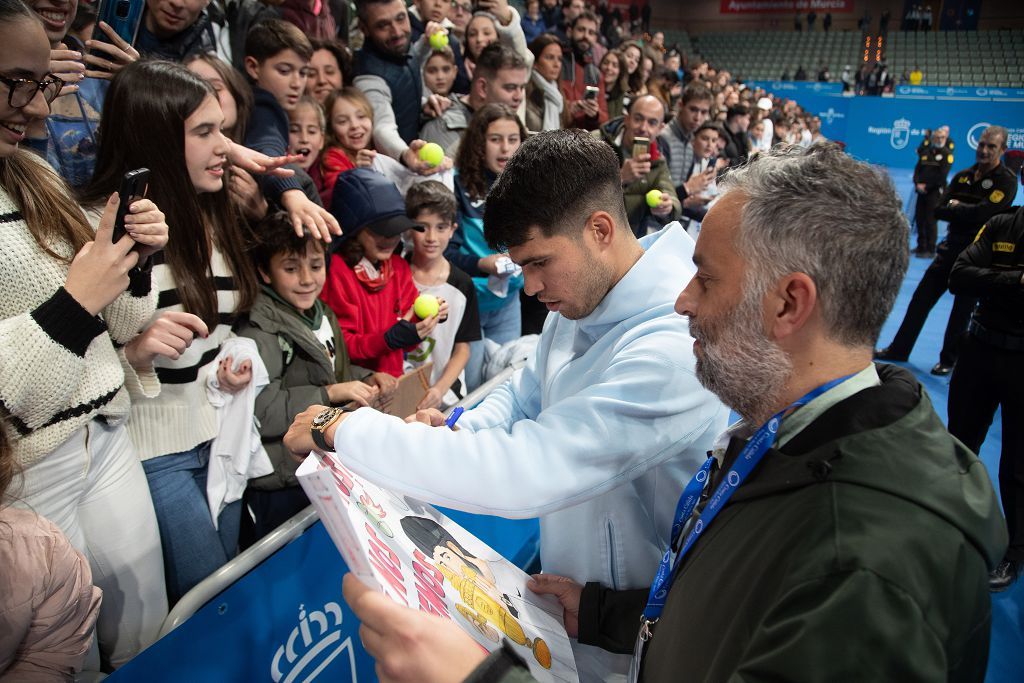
73 298
462 12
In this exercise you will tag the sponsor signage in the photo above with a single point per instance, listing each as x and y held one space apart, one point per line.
763 6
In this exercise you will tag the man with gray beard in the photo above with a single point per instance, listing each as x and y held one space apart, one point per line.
837 531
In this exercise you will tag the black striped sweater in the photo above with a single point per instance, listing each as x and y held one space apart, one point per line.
181 417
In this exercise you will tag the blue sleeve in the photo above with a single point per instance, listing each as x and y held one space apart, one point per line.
268 133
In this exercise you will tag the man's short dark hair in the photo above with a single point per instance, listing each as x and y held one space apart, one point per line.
552 183
274 36
275 235
696 93
585 15
494 58
737 110
432 196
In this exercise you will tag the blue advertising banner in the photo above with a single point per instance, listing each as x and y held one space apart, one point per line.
286 621
942 92
795 89
887 130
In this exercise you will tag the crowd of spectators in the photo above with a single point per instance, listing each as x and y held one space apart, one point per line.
312 170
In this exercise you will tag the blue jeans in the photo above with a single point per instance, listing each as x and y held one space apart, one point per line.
193 549
502 326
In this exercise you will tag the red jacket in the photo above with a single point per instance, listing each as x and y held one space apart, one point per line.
365 316
332 163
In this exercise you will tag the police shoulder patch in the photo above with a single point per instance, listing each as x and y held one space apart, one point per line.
996 196
1004 247
964 179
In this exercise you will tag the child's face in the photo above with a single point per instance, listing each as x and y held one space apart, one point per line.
437 231
705 143
283 75
376 247
480 33
502 141
305 136
352 124
298 278
439 75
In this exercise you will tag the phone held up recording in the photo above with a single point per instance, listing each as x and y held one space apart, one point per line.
134 185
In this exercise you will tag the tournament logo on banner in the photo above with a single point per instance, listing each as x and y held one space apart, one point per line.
312 645
762 6
1014 136
900 136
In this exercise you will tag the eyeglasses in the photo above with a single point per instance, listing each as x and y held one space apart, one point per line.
23 90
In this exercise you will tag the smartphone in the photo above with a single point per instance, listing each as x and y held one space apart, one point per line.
591 92
641 145
124 16
134 186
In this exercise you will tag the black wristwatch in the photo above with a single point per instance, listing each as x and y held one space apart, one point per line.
324 419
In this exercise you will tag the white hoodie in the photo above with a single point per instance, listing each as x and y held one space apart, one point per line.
596 435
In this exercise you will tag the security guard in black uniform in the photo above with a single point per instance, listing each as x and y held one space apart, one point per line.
934 159
974 195
990 371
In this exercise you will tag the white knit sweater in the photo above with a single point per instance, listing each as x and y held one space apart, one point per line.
60 367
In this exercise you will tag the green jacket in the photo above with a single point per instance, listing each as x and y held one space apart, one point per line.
859 551
299 371
635 194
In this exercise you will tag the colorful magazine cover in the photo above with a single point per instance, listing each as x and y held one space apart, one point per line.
419 558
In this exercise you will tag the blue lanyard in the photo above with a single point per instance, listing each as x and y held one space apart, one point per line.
748 459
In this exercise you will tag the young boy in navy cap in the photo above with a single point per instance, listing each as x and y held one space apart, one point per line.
369 286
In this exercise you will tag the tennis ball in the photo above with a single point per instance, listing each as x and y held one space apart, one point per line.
425 306
439 40
432 153
653 198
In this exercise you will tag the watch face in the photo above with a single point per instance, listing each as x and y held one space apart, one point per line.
323 418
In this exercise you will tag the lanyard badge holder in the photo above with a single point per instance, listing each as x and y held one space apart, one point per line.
748 459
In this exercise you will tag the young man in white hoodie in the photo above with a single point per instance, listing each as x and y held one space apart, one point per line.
603 427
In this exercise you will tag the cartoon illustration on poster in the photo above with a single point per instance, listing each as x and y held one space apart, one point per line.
420 558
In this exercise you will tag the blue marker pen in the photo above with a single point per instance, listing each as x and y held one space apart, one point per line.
454 417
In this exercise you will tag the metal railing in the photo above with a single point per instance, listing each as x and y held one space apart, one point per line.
220 580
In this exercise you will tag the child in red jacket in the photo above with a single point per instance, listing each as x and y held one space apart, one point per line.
370 287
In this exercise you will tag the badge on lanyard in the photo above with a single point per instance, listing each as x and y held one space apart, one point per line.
748 459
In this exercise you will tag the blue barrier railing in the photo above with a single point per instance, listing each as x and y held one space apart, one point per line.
275 613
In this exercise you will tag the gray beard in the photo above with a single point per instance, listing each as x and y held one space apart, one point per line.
739 363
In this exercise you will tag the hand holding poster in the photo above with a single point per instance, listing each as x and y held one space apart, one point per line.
421 559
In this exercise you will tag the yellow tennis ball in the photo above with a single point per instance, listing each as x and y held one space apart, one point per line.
653 198
426 305
439 40
432 153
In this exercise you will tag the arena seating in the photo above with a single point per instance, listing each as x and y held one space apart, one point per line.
971 58
767 55
975 58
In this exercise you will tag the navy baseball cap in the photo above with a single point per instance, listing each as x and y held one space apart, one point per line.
366 199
